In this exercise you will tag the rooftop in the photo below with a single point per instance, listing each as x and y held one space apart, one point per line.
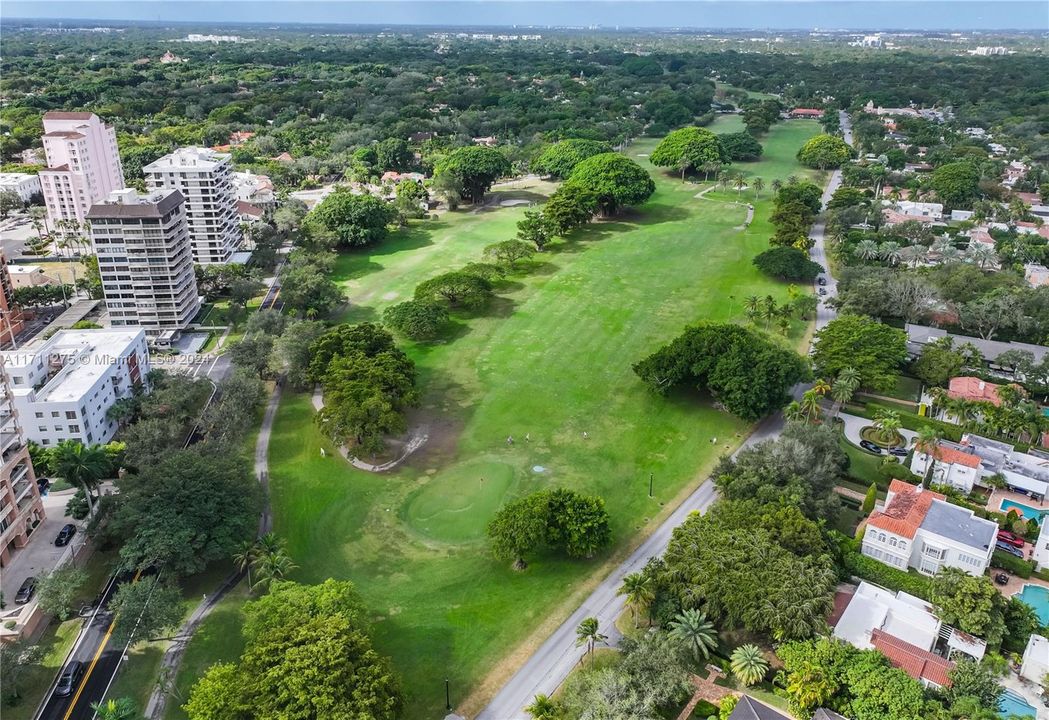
919 335
918 663
188 157
954 456
905 509
960 525
750 709
62 115
874 608
127 203
974 389
67 134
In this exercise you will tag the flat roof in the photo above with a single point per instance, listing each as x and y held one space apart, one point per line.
155 205
960 525
188 158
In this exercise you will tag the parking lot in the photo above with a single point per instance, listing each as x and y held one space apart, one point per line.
40 556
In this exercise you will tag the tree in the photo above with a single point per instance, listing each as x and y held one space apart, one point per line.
748 664
970 678
185 510
57 592
741 146
116 709
637 590
588 634
689 148
252 352
354 220
570 206
875 350
536 229
82 465
393 154
824 152
956 184
870 499
692 629
474 170
997 310
270 560
291 351
614 180
16 657
970 603
518 527
747 372
146 609
560 158
543 707
457 288
416 319
9 200
307 288
559 519
307 654
787 263
940 361
508 252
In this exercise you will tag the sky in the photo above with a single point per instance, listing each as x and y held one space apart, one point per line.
714 14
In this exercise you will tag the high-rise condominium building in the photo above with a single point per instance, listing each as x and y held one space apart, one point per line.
11 319
83 164
145 261
205 179
20 507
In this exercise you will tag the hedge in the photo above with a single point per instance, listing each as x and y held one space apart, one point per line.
1017 566
913 421
878 572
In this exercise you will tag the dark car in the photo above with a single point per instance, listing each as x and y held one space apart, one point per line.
1001 579
822 281
1011 538
1006 547
898 451
25 592
65 535
823 291
69 678
870 447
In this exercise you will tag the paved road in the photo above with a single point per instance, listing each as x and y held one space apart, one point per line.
547 668
101 658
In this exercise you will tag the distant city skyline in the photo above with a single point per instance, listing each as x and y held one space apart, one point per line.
930 15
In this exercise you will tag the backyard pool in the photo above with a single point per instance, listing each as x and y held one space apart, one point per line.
1027 511
1012 705
1037 597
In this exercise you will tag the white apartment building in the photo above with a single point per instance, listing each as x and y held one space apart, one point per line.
63 387
83 164
146 263
24 185
918 528
205 179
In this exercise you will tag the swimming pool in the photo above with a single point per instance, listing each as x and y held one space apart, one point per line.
1027 511
1012 705
1037 597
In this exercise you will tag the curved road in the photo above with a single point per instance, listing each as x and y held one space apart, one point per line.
547 668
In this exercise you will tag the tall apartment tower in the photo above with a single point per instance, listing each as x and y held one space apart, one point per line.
11 320
21 509
83 164
145 261
205 179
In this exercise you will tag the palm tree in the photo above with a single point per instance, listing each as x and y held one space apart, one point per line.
752 305
810 404
638 592
768 309
783 324
692 629
792 179
888 424
866 250
82 465
273 565
776 185
748 664
821 387
741 182
758 185
913 255
245 556
38 218
842 394
925 441
890 252
794 411
587 634
122 709
981 254
543 707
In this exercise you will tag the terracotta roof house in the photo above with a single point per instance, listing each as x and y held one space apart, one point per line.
806 113
918 528
240 137
951 465
973 389
929 668
248 212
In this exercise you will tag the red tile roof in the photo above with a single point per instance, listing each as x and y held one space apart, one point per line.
60 115
918 663
954 456
905 513
807 112
69 134
973 388
246 208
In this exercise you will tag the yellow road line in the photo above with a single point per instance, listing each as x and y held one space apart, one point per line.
94 660
274 300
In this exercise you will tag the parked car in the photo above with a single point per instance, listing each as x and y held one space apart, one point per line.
898 451
25 591
1006 547
1011 538
69 678
1001 578
823 291
870 447
822 280
65 535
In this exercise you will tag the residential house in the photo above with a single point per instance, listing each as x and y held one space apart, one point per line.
919 529
240 137
24 185
256 189
812 113
960 215
750 709
918 336
421 137
1026 473
488 141
27 276
924 209
951 465
1035 663
1040 551
1036 275
249 213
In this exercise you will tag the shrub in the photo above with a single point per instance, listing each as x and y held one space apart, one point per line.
1017 566
787 263
878 572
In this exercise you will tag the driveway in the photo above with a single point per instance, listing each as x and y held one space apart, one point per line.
853 424
40 555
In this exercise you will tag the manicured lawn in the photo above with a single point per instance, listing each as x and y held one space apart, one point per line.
550 362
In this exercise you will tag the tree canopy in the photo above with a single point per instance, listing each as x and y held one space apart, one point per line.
854 341
560 520
956 184
353 219
825 152
741 146
474 169
689 148
560 158
614 180
787 263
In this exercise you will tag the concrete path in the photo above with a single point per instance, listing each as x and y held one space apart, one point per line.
853 424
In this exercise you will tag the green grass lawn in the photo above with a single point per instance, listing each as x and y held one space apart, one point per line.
551 361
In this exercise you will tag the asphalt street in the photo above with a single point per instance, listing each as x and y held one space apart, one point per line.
548 667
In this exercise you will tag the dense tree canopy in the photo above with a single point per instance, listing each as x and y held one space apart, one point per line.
614 180
354 219
474 169
689 148
741 146
788 263
560 520
956 184
825 152
561 158
853 341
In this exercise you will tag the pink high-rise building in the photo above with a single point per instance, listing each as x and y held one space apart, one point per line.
83 164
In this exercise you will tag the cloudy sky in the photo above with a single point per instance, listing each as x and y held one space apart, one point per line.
757 14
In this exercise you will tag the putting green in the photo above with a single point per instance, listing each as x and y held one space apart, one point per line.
456 505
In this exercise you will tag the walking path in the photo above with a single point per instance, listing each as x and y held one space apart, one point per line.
416 440
548 666
172 659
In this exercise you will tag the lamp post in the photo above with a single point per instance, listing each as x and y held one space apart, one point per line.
447 697
651 477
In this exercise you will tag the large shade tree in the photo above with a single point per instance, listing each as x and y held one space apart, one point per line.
689 148
614 180
474 169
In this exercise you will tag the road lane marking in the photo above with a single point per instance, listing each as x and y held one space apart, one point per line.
94 661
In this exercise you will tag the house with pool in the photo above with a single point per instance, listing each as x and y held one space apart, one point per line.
919 529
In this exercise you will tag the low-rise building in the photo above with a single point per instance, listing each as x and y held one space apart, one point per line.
1035 665
24 185
1023 472
918 336
1036 275
812 113
27 276
919 529
64 387
256 189
974 389
950 465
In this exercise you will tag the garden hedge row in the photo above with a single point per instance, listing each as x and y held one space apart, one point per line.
879 573
1017 566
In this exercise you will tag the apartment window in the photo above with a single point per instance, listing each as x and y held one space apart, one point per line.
892 541
903 544
45 441
70 415
74 428
41 428
54 413
58 428
39 415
